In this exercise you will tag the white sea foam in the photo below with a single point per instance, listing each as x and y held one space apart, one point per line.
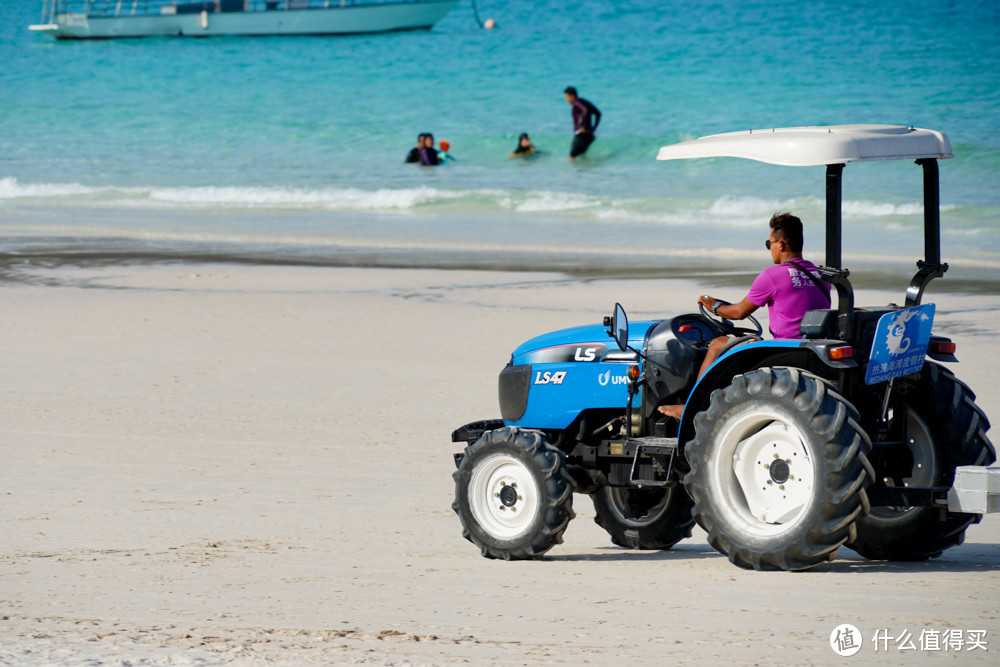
726 211
11 189
750 207
390 199
871 209
554 202
298 198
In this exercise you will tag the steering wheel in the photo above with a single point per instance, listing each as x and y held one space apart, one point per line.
727 326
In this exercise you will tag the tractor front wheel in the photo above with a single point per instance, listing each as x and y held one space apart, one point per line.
513 494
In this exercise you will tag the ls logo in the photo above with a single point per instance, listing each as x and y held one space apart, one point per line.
585 354
548 377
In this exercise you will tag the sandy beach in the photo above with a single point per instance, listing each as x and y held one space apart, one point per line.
228 464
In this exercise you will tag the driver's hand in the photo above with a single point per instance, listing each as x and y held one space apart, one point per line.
706 301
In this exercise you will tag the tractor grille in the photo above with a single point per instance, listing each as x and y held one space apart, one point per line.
514 384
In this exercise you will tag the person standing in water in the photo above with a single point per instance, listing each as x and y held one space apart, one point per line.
414 155
428 154
586 118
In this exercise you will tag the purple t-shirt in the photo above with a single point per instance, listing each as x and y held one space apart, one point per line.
788 295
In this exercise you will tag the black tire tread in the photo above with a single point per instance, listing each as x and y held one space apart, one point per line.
959 426
844 447
557 493
671 527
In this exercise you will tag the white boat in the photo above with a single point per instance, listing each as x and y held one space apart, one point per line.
105 19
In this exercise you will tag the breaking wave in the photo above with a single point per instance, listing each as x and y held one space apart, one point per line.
726 211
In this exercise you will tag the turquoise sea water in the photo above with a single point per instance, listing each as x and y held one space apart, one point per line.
291 149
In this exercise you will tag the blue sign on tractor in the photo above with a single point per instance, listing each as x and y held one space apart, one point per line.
900 343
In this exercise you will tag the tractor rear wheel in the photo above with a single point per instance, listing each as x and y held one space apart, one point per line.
778 469
945 429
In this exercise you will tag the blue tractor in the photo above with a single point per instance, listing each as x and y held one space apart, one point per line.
856 434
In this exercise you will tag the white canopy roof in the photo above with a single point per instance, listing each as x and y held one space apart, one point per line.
813 146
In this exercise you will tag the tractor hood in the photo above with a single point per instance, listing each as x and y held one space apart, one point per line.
552 378
586 343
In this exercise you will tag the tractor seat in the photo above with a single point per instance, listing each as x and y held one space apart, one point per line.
819 324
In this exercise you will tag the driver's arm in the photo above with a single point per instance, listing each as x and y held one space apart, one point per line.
737 311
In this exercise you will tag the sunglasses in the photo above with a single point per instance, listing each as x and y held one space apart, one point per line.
767 243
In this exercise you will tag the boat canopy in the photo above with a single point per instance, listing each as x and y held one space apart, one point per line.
814 146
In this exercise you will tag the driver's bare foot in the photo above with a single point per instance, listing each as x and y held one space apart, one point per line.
674 411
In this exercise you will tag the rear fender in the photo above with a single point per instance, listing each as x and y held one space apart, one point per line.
750 356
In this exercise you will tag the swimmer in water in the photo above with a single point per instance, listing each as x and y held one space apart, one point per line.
428 154
414 155
524 146
443 154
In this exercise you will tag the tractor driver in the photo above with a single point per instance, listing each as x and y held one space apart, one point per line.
789 288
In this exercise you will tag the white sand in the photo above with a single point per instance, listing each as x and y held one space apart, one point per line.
224 464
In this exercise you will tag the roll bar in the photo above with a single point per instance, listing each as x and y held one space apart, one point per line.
835 146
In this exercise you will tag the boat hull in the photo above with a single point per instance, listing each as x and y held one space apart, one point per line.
321 21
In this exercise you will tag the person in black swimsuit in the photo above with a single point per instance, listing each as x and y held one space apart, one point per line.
414 154
586 117
524 146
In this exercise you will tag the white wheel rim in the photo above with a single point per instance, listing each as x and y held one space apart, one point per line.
764 472
503 496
